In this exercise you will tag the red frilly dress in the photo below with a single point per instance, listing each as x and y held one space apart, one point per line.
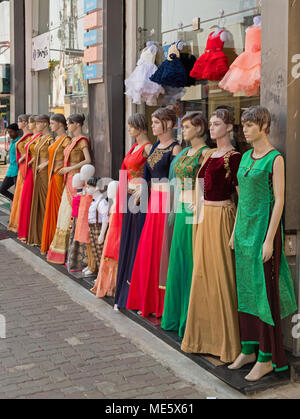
213 64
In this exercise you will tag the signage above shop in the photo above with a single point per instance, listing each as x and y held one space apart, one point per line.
93 41
41 52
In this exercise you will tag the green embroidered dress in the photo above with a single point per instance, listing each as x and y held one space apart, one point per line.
180 272
259 286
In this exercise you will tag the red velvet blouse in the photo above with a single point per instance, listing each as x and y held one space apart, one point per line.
220 176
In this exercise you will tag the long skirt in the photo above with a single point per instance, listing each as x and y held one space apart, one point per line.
180 273
59 246
38 208
212 323
54 196
77 253
107 275
25 206
145 293
128 248
15 209
268 338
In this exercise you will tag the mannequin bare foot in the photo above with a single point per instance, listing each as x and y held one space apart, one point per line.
260 370
242 360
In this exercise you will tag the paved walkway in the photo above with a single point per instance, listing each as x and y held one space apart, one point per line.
56 348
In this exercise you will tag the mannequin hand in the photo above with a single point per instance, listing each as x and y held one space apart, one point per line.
41 167
64 171
100 239
231 243
268 249
191 207
137 197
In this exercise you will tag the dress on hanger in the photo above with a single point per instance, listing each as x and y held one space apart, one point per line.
139 86
213 64
244 74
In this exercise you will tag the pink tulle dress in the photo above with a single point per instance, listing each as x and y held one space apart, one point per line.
244 75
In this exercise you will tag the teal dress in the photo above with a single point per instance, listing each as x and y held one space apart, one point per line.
265 291
180 272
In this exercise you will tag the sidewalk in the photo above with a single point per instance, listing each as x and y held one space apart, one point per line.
63 343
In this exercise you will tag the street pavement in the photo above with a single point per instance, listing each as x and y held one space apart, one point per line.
62 343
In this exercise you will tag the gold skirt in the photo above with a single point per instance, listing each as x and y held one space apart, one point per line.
212 323
38 208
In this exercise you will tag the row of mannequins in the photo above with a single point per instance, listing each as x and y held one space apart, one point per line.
169 241
179 70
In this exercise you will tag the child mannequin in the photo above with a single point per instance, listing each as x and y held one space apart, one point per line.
97 218
77 254
82 228
107 276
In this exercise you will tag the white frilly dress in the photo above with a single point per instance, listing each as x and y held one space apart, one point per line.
139 87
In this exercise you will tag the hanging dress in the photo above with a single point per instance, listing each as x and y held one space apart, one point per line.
213 64
181 256
145 293
244 75
139 87
265 291
134 163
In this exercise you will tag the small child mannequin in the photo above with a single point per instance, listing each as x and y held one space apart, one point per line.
97 218
107 276
82 228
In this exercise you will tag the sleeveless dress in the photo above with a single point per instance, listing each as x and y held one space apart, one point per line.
245 72
145 293
265 291
212 323
213 64
181 257
139 87
134 164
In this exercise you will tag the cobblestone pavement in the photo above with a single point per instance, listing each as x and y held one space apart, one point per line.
55 348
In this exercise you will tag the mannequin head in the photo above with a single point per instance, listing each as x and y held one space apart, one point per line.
77 183
137 125
93 185
256 123
75 123
163 121
58 123
221 123
257 20
194 125
23 121
42 123
32 124
112 190
87 172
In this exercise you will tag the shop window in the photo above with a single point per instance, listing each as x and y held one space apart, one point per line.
168 21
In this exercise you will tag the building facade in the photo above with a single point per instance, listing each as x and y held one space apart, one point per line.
58 28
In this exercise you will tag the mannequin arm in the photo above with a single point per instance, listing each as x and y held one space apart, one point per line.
42 166
87 160
279 191
31 161
104 228
231 243
22 159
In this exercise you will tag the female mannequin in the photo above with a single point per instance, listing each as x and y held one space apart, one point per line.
76 155
23 123
145 293
58 124
212 322
264 283
27 192
107 276
134 164
186 167
40 155
77 253
82 235
97 219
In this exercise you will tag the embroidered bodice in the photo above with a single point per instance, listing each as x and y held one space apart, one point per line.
186 169
159 161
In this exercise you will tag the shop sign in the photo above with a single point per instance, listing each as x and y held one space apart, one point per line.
93 71
91 5
41 52
93 37
93 20
93 55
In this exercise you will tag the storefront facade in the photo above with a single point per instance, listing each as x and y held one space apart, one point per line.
166 21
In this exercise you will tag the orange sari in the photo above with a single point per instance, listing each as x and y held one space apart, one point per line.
54 196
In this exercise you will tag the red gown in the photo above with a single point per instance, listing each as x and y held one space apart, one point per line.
213 64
